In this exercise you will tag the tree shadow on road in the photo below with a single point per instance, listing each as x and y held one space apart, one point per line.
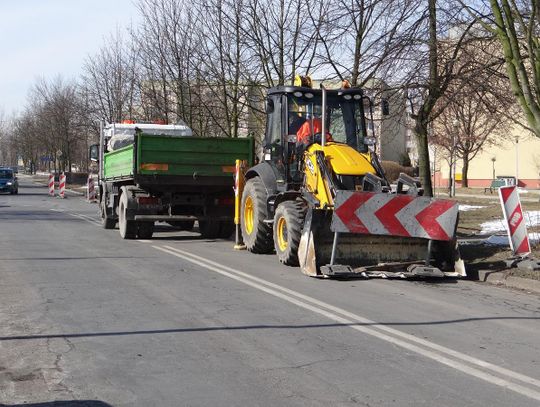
65 403
257 327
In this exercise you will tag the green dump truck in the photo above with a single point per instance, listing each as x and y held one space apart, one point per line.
150 173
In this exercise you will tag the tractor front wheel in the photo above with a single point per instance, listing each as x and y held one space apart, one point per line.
288 224
257 235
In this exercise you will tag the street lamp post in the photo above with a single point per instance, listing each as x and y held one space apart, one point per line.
517 161
455 124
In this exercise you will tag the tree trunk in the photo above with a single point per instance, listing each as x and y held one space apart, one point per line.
421 132
465 170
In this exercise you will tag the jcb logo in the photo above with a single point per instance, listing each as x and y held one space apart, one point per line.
516 218
310 166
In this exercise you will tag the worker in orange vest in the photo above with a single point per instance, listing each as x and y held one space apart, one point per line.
309 129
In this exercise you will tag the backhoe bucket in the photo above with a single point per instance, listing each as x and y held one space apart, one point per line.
381 234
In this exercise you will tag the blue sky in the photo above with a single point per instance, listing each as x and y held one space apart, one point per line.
46 38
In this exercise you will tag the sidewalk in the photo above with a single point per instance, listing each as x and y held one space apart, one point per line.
529 196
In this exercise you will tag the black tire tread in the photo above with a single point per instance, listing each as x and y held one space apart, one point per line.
261 241
294 213
209 229
145 230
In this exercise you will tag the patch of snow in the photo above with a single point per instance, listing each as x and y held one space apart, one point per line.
465 208
492 226
532 218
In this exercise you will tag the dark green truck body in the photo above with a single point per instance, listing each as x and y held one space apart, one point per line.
174 179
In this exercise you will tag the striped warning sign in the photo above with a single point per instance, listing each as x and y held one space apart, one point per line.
395 215
513 215
51 185
62 185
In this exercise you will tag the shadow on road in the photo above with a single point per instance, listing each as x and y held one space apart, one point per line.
251 327
66 403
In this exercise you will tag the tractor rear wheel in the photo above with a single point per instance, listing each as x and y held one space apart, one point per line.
288 224
257 235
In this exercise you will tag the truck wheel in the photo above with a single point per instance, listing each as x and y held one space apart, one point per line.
257 234
226 229
288 224
183 224
106 221
128 228
145 230
209 229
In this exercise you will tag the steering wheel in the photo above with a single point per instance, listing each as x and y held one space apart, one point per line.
317 138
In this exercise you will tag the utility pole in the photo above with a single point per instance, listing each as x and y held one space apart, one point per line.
517 161
453 160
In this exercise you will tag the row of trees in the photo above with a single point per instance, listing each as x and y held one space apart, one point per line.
207 62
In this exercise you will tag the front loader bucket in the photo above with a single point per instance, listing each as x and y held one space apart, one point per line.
364 246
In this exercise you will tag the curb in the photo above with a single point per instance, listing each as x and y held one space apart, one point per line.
505 278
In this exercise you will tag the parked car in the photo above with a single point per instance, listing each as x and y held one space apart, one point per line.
8 181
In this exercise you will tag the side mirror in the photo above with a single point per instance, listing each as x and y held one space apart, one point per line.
269 106
385 107
93 153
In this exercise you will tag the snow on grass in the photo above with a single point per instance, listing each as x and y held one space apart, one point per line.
465 208
532 218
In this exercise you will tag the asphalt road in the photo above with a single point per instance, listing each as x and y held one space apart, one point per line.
88 318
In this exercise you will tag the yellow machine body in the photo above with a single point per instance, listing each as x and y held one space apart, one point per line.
341 159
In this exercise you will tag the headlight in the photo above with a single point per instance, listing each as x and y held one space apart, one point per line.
9 183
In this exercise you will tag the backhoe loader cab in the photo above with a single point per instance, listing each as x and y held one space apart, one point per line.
295 118
305 200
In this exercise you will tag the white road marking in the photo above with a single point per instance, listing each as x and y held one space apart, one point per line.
423 347
85 218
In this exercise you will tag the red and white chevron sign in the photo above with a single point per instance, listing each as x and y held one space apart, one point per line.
395 215
513 215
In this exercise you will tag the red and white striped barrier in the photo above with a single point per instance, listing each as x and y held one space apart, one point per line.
62 186
395 215
513 215
91 190
51 185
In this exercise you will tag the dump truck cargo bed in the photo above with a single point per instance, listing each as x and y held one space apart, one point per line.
176 158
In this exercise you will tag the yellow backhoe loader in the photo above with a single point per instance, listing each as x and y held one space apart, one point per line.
320 198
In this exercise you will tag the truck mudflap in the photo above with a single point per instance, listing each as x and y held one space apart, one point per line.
381 235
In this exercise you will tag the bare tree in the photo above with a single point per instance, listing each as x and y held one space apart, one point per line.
439 64
470 121
109 82
282 36
364 39
516 24
166 38
55 111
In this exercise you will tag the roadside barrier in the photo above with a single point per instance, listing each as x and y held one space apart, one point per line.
62 186
513 216
91 190
51 185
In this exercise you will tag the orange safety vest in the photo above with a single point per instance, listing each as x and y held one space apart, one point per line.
304 132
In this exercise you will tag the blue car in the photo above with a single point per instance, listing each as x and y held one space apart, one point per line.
8 181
